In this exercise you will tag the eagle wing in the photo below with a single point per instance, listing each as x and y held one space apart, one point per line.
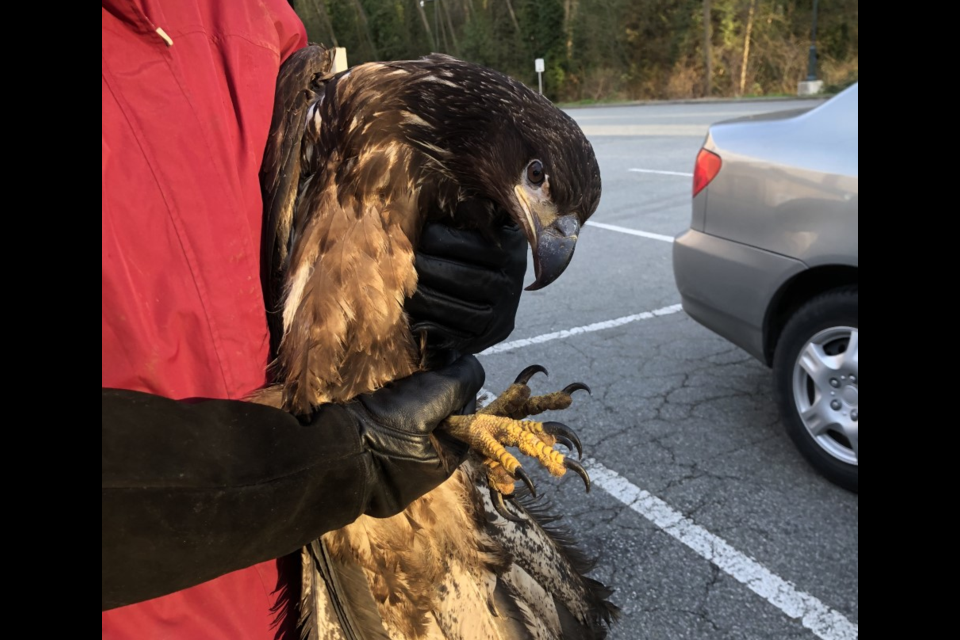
299 86
337 261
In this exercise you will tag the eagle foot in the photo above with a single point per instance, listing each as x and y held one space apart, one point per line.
517 401
502 424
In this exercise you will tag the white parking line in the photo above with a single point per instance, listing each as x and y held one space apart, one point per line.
632 232
823 621
662 173
813 614
590 328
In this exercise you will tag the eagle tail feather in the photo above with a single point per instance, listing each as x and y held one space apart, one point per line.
586 600
345 587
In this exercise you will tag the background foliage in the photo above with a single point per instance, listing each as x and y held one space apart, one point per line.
607 49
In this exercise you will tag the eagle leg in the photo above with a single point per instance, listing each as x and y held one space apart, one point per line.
502 424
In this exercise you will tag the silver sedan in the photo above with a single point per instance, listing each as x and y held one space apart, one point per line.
771 262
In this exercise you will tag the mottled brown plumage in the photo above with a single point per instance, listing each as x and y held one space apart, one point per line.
355 165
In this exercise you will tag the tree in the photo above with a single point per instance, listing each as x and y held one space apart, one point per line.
603 49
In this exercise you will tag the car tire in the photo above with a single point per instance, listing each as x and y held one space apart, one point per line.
816 365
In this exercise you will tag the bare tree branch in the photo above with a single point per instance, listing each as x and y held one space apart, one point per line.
366 28
569 19
321 8
453 34
751 13
708 47
426 25
513 15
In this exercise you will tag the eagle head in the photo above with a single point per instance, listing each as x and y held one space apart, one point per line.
503 143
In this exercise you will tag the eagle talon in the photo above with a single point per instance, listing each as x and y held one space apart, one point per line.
577 468
501 507
522 475
566 442
577 386
564 434
529 372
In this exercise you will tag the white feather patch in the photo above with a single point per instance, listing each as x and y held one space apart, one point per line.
441 81
412 118
295 295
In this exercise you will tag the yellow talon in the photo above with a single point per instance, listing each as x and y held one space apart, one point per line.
498 478
490 434
510 403
556 401
551 459
502 424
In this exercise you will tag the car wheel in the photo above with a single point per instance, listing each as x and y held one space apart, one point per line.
817 376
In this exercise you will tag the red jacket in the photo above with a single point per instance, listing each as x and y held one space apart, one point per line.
184 127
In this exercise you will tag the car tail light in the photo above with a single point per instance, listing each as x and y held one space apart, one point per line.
708 166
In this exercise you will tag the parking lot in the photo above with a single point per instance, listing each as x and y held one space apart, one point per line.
704 517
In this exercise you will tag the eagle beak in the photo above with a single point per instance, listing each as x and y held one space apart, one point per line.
552 238
554 250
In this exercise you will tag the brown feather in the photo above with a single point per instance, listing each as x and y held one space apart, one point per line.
349 593
318 619
298 87
355 165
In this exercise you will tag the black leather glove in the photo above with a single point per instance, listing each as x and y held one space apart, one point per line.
469 287
397 426
193 490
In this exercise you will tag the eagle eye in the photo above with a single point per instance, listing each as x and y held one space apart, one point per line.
535 175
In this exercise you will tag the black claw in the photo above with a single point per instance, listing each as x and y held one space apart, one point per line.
579 470
529 372
567 442
522 475
577 386
558 431
500 506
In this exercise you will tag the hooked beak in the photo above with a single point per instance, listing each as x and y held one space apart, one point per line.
553 238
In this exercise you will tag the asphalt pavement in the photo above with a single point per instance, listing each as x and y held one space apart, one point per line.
704 517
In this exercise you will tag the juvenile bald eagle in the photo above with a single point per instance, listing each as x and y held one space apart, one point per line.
355 165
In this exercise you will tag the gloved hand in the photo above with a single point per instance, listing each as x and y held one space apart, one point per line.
397 426
193 490
469 287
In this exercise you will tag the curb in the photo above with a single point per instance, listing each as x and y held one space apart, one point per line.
649 103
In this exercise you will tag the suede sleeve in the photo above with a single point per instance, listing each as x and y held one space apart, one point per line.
194 490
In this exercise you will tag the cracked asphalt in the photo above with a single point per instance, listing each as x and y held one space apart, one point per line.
677 411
